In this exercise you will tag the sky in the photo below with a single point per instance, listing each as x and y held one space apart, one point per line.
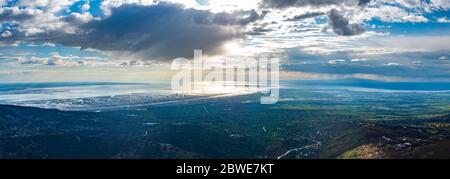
135 40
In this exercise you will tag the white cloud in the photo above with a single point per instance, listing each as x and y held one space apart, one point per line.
359 60
55 60
137 63
85 6
440 4
392 64
443 20
415 18
6 34
232 5
337 61
410 3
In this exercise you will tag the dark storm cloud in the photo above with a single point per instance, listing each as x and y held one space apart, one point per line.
300 3
159 32
166 31
341 26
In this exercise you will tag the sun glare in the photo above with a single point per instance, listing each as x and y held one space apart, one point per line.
223 88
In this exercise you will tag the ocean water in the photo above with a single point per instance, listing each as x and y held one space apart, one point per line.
48 91
112 96
85 96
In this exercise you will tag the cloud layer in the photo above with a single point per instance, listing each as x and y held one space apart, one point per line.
163 31
393 37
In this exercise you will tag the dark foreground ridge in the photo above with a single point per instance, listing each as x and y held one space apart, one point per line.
27 132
